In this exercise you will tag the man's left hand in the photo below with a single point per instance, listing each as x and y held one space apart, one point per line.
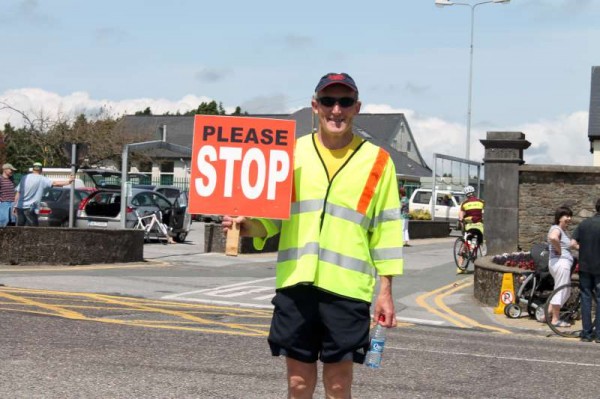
385 306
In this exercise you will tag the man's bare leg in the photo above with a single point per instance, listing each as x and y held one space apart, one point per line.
337 378
302 379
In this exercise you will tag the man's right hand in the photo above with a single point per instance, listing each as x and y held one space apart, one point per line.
248 227
228 221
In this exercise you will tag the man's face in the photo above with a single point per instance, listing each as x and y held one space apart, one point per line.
335 119
8 172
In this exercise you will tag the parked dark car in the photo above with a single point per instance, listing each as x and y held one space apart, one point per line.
53 210
102 210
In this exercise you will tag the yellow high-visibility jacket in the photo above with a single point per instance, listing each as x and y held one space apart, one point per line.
342 233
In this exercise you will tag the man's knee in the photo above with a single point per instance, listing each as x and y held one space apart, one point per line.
300 386
337 378
302 378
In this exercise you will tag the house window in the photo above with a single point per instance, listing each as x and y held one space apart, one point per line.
145 167
408 146
167 169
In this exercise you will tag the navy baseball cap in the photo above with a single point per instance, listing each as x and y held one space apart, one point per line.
333 78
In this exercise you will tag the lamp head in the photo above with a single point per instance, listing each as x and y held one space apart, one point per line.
442 3
501 1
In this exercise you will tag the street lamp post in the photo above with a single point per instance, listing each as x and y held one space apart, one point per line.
443 3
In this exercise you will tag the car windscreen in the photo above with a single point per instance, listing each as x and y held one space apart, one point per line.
104 203
52 194
422 197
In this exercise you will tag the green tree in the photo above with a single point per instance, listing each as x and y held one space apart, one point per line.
147 111
43 139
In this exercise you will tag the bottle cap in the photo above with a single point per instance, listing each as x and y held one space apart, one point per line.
382 317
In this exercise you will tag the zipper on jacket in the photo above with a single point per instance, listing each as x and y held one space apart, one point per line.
330 181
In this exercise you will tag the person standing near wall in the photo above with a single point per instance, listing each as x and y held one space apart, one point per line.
586 238
343 232
29 193
560 260
404 211
7 195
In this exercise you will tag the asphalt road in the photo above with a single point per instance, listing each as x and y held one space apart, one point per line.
186 324
51 357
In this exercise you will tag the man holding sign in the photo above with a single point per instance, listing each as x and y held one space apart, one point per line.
344 230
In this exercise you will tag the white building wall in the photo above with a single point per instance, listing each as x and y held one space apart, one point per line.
596 148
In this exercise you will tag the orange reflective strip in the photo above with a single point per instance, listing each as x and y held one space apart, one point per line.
374 176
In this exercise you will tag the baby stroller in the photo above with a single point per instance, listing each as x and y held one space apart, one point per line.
536 286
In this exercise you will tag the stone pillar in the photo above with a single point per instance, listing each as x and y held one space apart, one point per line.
503 156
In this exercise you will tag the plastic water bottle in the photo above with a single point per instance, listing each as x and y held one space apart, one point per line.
373 359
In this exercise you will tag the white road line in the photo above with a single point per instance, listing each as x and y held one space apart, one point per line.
237 291
173 296
225 303
420 321
262 298
496 357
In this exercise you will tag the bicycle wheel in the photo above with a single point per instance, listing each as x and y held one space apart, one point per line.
159 231
461 254
141 226
569 320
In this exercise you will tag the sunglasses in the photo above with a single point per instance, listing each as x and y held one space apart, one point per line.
344 102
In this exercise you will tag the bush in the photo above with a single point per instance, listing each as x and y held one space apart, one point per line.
522 260
420 214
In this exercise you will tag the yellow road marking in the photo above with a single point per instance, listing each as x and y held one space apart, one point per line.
62 312
137 265
421 301
439 301
446 313
33 301
176 313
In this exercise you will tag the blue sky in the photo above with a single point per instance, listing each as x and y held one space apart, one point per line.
532 62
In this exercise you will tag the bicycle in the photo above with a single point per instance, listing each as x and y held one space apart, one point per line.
152 225
570 311
467 250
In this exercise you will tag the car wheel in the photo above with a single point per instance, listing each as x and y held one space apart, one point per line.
180 237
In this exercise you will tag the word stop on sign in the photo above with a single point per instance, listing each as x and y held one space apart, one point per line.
242 166
238 168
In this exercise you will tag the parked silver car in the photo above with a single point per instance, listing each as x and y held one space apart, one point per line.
102 210
53 210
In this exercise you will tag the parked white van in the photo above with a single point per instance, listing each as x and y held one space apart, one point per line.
446 205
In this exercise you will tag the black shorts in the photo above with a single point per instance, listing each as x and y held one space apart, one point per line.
477 233
310 324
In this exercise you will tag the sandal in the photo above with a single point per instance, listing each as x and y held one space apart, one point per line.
561 323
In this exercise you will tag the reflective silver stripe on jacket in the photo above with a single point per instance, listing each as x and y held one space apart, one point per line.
343 261
307 206
348 214
388 215
337 211
386 253
311 248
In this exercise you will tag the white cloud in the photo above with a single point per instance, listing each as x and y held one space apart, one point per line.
35 102
562 140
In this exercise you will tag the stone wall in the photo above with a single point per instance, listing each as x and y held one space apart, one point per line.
64 246
214 239
428 229
543 188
